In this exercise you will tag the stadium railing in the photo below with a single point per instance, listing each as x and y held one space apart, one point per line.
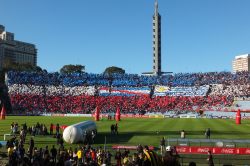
226 143
184 161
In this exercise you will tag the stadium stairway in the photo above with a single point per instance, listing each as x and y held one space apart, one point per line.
233 103
244 104
202 113
224 113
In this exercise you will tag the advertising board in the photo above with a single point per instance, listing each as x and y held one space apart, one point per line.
144 116
214 150
159 116
85 115
21 114
187 116
45 114
57 114
200 149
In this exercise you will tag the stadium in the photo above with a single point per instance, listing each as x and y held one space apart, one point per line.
151 107
120 119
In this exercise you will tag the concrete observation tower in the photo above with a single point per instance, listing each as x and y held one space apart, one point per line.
156 44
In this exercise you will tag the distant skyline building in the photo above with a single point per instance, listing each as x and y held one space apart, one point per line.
156 44
241 63
15 50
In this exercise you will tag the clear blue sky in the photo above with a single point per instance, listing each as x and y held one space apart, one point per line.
197 35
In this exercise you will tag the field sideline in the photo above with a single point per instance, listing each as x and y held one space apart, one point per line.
144 129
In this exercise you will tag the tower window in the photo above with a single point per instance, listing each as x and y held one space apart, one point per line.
153 24
153 42
153 36
153 30
154 67
154 61
154 48
154 55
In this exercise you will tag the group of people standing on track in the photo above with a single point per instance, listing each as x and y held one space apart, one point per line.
207 133
109 117
38 129
114 129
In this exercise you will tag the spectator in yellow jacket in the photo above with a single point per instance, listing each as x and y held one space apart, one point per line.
100 159
70 150
10 153
79 155
126 160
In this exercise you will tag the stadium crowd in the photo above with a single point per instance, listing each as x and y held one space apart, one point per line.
131 80
232 90
109 104
82 93
82 155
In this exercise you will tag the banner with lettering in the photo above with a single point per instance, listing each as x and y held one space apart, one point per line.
214 150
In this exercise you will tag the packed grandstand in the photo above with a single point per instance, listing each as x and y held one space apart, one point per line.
82 93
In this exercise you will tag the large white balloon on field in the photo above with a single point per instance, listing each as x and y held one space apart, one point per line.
76 132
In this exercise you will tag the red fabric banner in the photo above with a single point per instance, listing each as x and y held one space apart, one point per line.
61 127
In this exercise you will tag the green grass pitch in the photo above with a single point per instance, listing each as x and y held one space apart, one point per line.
144 130
134 131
